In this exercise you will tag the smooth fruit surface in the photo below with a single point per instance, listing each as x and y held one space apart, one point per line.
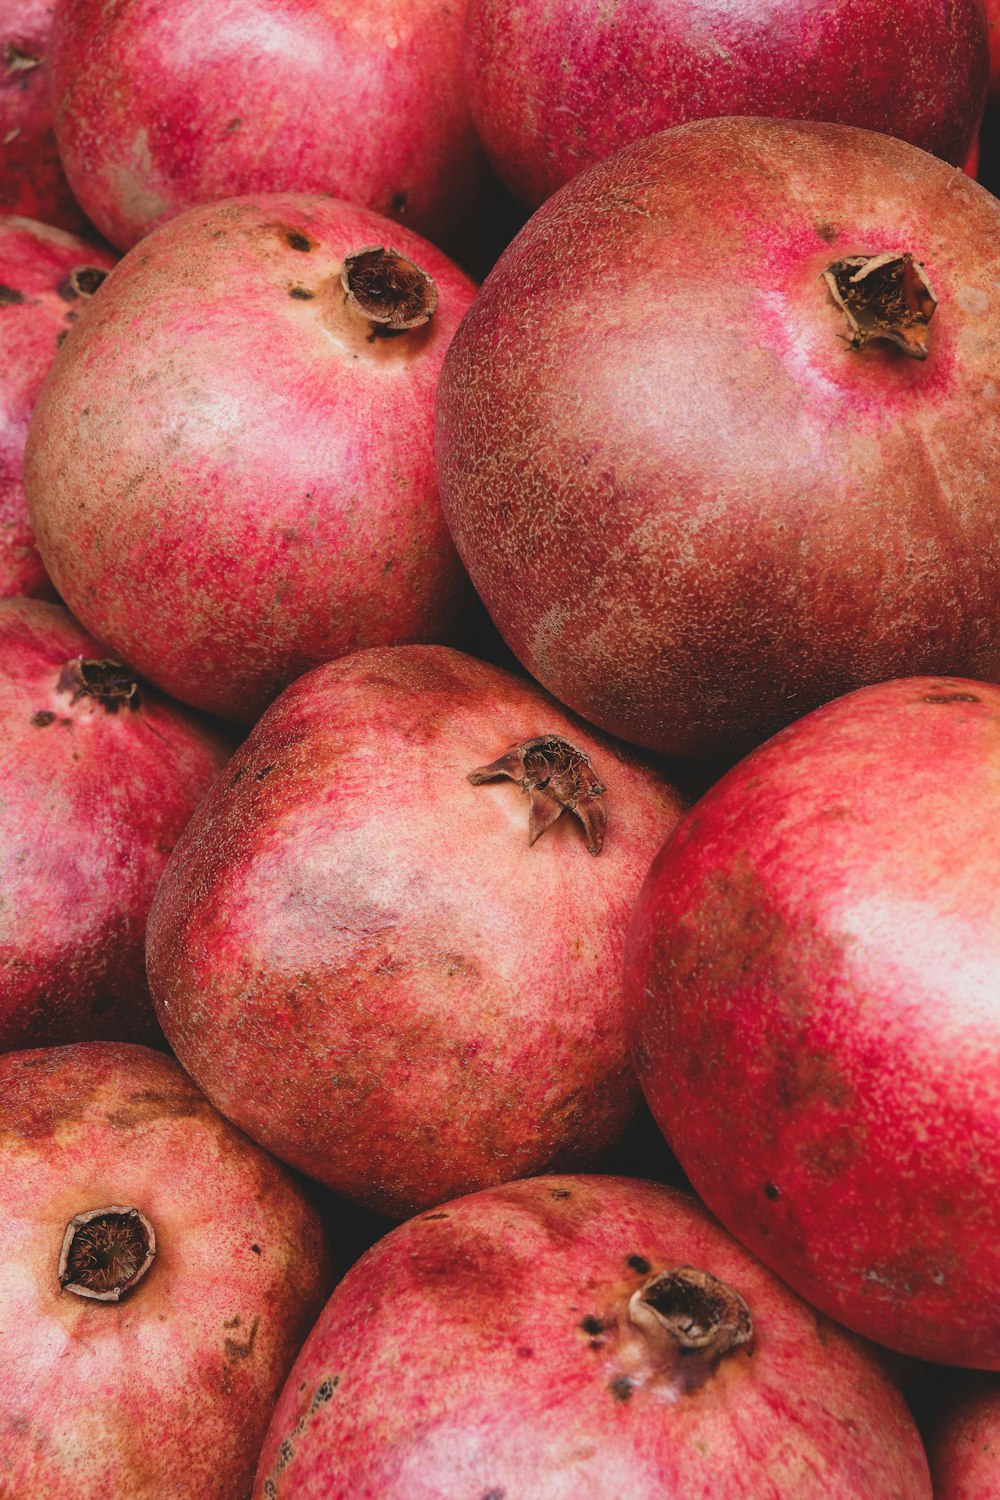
98 776
161 107
230 470
168 1390
694 503
46 277
444 998
574 1337
813 970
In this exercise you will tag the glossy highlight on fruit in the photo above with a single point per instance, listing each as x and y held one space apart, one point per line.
813 966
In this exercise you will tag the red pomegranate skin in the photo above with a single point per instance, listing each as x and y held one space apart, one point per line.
488 1350
445 1000
993 38
693 510
556 85
231 479
962 1435
41 294
32 181
161 107
94 794
813 963
168 1391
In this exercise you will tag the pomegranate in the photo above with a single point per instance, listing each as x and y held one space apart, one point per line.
161 107
813 962
231 471
963 1439
158 1274
46 276
381 891
98 776
993 37
581 1336
32 181
719 438
556 85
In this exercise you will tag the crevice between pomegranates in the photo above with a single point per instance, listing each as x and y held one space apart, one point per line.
388 290
556 775
106 1252
884 297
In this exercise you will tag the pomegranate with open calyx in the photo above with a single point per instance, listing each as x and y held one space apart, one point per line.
574 1337
46 276
98 776
158 1274
962 1435
230 470
382 891
720 436
556 85
814 963
161 107
32 181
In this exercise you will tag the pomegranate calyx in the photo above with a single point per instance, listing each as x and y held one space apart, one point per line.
884 296
106 1252
389 290
556 775
17 60
112 683
677 1327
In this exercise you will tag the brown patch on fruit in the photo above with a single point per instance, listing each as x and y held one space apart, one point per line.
10 296
557 776
43 718
299 241
106 1252
884 297
389 290
17 60
236 1350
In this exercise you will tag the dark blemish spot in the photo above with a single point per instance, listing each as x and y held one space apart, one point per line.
592 1325
255 1249
525 1353
233 1322
435 1216
9 297
235 1350
61 338
561 1193
234 124
639 1264
398 204
265 772
324 1392
621 1388
270 1489
43 719
495 1494
943 697
239 775
298 241
301 294
827 232
771 1191
285 1454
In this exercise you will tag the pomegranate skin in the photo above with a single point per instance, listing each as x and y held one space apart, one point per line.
813 961
445 1000
93 796
41 293
168 1391
479 1351
32 181
962 1436
158 108
230 477
556 85
692 509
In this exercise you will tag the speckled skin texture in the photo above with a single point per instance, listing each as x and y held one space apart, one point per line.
168 1392
814 964
963 1440
38 306
162 106
230 479
475 1354
360 959
91 804
692 509
32 181
556 85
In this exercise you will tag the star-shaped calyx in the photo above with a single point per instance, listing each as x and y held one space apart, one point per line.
556 776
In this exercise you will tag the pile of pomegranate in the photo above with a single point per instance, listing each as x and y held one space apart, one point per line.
500 754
